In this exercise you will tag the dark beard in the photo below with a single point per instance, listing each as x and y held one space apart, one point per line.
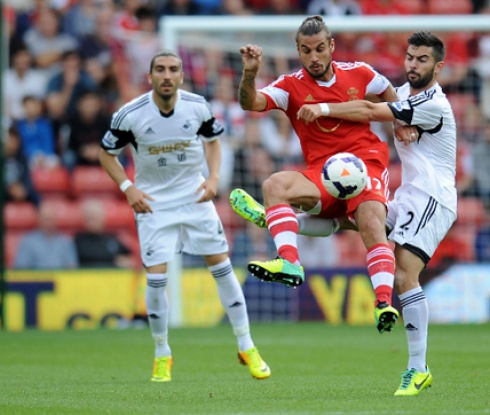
320 75
422 82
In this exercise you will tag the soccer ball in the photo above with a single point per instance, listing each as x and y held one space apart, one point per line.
344 175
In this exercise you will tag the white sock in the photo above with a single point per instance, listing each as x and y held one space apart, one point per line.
157 310
416 320
233 301
311 225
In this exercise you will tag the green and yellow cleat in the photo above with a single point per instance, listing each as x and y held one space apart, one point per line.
278 270
162 369
386 317
251 358
247 207
413 382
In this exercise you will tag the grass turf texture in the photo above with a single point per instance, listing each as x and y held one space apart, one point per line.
316 369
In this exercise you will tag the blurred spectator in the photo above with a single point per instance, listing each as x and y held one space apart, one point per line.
386 7
279 139
71 82
37 135
46 42
179 8
80 19
87 126
318 252
482 241
20 81
209 7
481 157
98 43
464 166
227 110
46 248
482 66
140 48
233 8
333 7
280 7
253 164
456 75
251 243
18 181
96 50
14 38
97 248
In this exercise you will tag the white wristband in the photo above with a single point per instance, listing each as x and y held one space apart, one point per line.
125 185
325 109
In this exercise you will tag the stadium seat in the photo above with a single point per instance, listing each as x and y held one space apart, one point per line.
471 212
93 181
460 102
119 215
53 181
352 252
68 214
20 216
449 6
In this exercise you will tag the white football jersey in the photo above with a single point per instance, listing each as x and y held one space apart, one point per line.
167 149
429 163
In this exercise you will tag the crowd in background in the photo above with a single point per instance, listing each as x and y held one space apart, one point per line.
74 62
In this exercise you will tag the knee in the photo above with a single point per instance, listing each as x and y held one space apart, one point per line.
273 185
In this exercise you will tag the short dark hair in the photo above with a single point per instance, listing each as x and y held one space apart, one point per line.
165 53
429 39
311 26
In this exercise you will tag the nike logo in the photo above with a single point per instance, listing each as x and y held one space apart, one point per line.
418 386
265 368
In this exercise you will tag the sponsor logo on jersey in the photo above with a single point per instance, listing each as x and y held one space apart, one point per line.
149 131
169 148
186 126
309 98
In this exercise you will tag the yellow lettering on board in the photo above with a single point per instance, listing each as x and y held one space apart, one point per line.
329 299
360 304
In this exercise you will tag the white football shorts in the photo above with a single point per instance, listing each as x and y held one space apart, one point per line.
417 221
194 228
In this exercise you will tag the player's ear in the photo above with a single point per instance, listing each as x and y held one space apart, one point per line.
332 45
148 78
438 67
182 78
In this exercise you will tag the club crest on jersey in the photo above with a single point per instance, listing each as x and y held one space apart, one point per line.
352 93
109 140
181 157
186 126
162 161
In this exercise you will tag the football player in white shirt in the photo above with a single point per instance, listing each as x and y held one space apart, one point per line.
424 206
171 134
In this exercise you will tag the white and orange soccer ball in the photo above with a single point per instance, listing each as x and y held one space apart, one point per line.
344 175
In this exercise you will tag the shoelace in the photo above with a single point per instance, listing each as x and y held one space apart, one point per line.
407 378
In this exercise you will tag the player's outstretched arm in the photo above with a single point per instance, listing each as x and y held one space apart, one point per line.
248 96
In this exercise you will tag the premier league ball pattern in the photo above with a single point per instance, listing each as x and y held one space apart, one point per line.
344 175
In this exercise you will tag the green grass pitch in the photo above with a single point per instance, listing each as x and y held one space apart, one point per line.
316 369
